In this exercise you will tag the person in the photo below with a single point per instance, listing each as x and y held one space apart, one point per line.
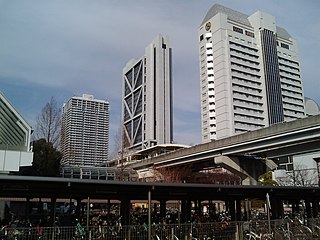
39 230
56 227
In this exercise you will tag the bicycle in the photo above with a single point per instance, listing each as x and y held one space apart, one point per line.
79 231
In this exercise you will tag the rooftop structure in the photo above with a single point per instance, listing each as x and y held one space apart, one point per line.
15 137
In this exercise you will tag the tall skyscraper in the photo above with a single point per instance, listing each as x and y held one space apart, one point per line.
147 97
249 73
85 131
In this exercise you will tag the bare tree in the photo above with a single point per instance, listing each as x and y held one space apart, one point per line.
49 123
301 175
304 176
174 174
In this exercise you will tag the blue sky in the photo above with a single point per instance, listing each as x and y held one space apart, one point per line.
64 48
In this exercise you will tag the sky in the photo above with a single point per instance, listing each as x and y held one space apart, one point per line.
66 48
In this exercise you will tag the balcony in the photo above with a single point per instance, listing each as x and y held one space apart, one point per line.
208 35
209 58
210 65
210 72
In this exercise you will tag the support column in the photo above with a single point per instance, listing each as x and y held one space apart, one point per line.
53 210
276 208
183 207
125 211
40 206
238 210
185 211
212 210
155 209
27 213
315 208
308 208
295 206
162 209
198 209
248 169
149 214
227 205
78 215
188 211
232 209
247 209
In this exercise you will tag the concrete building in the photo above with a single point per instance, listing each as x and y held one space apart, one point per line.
147 97
85 131
15 137
249 73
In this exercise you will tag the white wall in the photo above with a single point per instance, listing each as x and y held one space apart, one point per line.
12 160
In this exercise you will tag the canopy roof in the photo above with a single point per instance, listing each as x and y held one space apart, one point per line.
15 132
46 187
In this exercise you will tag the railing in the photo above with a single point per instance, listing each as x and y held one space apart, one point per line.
280 229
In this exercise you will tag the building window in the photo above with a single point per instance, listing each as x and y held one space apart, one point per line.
283 45
236 29
250 34
201 37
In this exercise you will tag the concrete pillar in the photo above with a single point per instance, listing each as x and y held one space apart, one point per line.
249 169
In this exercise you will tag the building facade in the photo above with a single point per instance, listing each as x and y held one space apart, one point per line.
147 97
249 73
15 138
85 131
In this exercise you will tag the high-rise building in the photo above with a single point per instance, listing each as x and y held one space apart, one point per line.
85 131
249 73
147 97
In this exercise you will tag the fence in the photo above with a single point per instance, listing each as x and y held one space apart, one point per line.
280 229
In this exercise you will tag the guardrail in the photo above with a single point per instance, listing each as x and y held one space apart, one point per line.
292 229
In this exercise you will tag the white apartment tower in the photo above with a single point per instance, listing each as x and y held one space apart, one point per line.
249 73
147 97
85 131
